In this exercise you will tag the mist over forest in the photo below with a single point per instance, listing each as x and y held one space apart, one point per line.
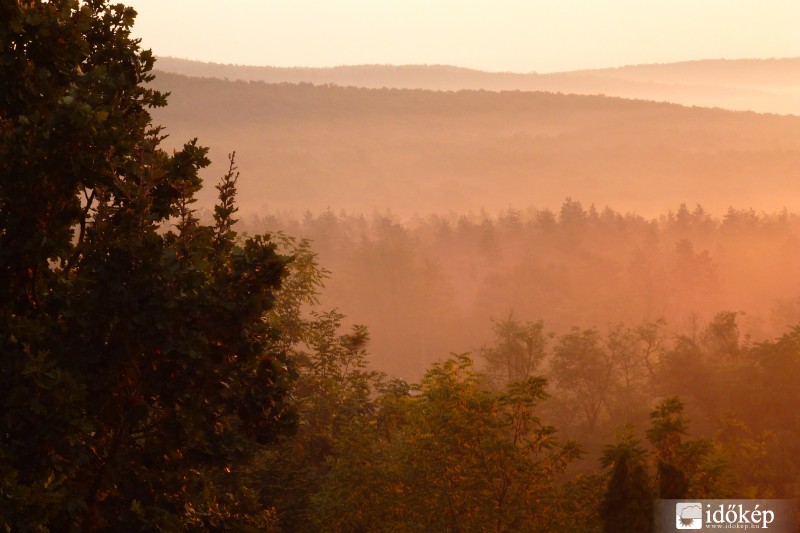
439 211
313 147
437 284
390 298
762 85
630 251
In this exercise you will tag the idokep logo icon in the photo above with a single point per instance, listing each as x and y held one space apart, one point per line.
689 515
775 516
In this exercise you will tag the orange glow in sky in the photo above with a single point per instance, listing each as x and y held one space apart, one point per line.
496 35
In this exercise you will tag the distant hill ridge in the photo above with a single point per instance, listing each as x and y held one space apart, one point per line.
761 85
314 146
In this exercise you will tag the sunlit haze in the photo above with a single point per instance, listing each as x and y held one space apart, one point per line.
400 265
501 35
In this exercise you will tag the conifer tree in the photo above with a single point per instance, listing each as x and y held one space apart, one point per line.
628 502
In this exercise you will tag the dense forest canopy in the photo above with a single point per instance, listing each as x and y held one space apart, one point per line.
433 284
167 367
305 146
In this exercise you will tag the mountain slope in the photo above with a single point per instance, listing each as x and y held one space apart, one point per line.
771 85
302 146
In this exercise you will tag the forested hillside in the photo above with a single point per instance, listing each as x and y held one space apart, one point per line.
764 85
424 317
434 285
313 147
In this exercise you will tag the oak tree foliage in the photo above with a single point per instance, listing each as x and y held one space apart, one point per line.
137 372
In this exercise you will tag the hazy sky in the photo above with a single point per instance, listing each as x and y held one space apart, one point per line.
515 35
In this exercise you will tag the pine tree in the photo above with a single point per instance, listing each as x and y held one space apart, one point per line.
628 503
